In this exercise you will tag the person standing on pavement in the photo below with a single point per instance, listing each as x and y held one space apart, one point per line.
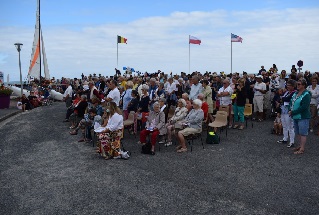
260 90
67 96
300 113
286 120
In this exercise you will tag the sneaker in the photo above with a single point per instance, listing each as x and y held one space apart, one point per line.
290 145
168 144
161 142
282 141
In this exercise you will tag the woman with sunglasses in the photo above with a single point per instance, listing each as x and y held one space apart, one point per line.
300 113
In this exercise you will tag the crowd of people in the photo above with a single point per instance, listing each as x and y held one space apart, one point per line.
166 105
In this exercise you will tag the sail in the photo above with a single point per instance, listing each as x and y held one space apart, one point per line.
34 69
45 62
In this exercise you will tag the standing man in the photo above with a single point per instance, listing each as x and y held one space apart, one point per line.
260 89
224 96
67 96
114 95
196 88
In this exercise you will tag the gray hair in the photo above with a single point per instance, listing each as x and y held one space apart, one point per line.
183 102
145 87
186 95
156 104
200 96
198 102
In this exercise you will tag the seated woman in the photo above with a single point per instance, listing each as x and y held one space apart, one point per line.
79 111
142 109
89 120
70 109
25 103
96 104
175 122
188 102
155 125
110 137
193 121
33 100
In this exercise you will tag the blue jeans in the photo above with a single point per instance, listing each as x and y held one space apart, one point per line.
238 113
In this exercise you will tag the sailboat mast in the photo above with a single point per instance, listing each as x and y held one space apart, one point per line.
39 42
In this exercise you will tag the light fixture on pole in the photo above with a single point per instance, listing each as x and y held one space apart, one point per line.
18 46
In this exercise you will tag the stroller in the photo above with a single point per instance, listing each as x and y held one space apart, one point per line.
47 100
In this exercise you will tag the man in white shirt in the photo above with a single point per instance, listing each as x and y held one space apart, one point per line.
224 96
114 95
196 88
67 96
260 89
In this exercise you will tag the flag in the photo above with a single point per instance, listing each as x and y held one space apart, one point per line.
194 40
121 39
235 38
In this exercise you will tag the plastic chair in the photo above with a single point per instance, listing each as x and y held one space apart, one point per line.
130 120
248 112
220 120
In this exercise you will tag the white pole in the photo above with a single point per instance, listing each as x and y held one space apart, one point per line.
189 55
117 52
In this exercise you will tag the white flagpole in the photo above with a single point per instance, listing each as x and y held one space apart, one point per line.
231 55
117 52
189 55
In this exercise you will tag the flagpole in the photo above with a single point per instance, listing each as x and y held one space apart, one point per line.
189 55
39 43
231 55
117 52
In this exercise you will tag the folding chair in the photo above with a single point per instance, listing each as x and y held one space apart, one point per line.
190 139
248 112
130 121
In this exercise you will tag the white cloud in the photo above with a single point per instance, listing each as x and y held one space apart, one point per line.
270 36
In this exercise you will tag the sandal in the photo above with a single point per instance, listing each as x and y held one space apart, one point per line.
235 126
182 150
72 127
259 120
241 127
74 132
178 147
296 149
299 152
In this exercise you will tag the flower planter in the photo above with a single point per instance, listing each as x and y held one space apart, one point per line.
4 101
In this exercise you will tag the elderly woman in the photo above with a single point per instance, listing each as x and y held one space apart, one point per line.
314 89
193 121
142 109
287 121
300 113
155 126
176 120
208 92
79 111
127 97
239 104
188 102
110 137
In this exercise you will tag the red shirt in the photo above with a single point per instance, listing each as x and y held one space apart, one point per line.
205 109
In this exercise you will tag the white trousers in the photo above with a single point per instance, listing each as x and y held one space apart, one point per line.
288 127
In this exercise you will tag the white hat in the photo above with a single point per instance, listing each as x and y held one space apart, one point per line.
259 76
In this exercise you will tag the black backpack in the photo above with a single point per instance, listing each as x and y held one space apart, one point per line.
146 149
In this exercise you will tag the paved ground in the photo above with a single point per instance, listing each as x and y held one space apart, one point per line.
44 170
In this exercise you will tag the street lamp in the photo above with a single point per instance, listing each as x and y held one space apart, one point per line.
18 46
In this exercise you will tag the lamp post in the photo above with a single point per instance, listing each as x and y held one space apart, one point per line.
18 46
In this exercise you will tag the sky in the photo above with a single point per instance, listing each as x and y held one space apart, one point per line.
80 36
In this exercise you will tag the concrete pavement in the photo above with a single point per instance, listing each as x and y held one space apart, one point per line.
44 170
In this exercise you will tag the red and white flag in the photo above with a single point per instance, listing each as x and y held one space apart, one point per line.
194 40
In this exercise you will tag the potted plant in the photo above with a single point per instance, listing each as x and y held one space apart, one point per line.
5 94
